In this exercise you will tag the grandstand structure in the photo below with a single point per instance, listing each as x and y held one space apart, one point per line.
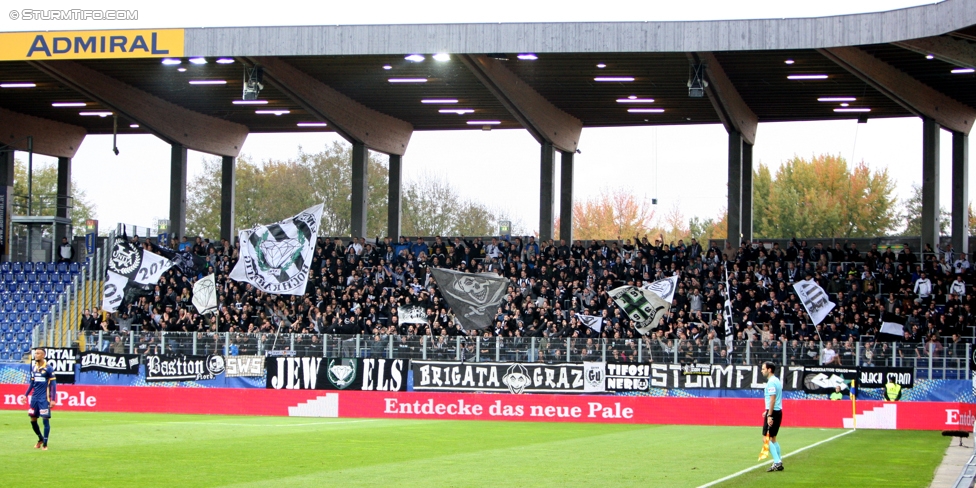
206 89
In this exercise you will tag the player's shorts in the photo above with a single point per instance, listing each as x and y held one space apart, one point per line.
39 408
773 430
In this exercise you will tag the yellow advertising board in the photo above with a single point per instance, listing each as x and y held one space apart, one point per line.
106 44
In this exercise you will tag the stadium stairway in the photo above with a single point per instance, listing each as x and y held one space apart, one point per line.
29 294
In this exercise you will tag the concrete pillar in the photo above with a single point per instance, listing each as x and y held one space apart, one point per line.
177 191
930 183
360 158
228 180
566 197
394 196
745 220
547 191
735 189
960 192
7 192
63 199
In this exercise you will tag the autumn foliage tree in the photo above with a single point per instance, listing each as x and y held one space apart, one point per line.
823 197
611 214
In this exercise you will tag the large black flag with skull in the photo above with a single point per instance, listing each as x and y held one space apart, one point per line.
474 297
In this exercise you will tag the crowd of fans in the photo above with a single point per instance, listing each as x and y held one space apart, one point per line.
356 287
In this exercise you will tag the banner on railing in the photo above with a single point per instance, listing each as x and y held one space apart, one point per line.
183 368
627 377
500 377
63 360
734 377
316 373
105 362
237 366
878 377
826 380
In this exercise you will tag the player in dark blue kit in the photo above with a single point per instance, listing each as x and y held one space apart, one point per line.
41 388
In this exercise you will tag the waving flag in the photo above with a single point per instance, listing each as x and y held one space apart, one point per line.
814 300
473 297
130 267
664 288
205 294
644 307
276 258
592 321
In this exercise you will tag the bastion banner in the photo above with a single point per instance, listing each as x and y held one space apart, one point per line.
182 367
316 373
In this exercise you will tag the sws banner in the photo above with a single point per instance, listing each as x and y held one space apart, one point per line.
878 377
105 362
237 366
63 360
316 373
501 377
720 376
825 380
183 368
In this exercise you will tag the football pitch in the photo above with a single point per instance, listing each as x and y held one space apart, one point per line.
109 449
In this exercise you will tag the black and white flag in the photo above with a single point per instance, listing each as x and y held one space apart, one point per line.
814 300
205 295
473 297
644 307
892 328
128 266
664 288
728 331
592 321
276 258
109 363
412 314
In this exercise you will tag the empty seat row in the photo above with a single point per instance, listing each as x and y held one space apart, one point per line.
29 278
16 327
27 298
18 337
30 307
21 346
32 287
22 318
30 267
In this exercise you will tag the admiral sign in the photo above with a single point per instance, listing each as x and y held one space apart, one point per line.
183 368
109 363
103 44
498 377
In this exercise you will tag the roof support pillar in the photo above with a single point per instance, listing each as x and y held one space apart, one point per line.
360 160
547 190
63 201
7 191
930 183
566 197
177 191
960 192
228 179
735 189
746 209
394 196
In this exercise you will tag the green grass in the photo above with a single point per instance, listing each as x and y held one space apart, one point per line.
107 449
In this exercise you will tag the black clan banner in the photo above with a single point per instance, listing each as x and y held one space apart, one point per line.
316 373
183 368
104 362
878 377
63 360
720 376
498 377
628 377
825 380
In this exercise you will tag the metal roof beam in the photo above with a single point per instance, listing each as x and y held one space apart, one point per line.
905 90
50 138
733 111
545 121
351 119
953 51
168 121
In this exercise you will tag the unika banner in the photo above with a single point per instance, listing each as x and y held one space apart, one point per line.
316 373
63 360
826 380
110 363
720 376
183 368
498 377
878 377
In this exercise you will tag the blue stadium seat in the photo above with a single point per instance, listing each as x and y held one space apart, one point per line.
32 307
52 267
21 306
8 336
64 278
24 317
35 288
44 307
15 327
62 267
8 306
21 278
18 267
21 337
5 267
4 356
28 328
59 288
36 317
11 287
52 298
32 277
28 267
43 277
24 347
23 287
74 268
5 327
47 288
8 278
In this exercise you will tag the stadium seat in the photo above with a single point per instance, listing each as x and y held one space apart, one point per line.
59 288
8 306
32 277
28 328
4 327
64 278
8 278
52 298
44 307
35 288
62 267
36 317
11 287
4 356
43 277
47 288
20 337
15 327
23 287
28 267
5 267
21 278
24 317
25 347
21 306
8 336
18 268
52 267
74 269
32 307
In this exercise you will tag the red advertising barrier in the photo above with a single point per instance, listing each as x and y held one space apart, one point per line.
468 406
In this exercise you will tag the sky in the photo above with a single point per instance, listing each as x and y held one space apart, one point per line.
683 166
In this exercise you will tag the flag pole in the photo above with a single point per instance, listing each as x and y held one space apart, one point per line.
854 403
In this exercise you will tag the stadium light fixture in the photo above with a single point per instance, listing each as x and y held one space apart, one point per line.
416 58
386 66
837 99
272 112
311 124
963 71
439 100
69 104
198 60
407 80
635 100
225 61
459 111
442 57
930 56
181 69
789 61
646 110
614 79
852 110
807 77
208 82
250 102
527 57
484 122
601 65
133 126
95 114
18 85
172 61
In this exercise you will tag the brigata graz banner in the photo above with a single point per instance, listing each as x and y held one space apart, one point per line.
105 362
501 377
63 360
720 376
183 368
878 377
316 373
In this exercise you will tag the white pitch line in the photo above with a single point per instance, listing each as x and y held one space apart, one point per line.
275 425
744 471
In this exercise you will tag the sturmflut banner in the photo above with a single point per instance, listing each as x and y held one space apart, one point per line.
276 258
316 373
499 377
183 368
104 362
720 376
